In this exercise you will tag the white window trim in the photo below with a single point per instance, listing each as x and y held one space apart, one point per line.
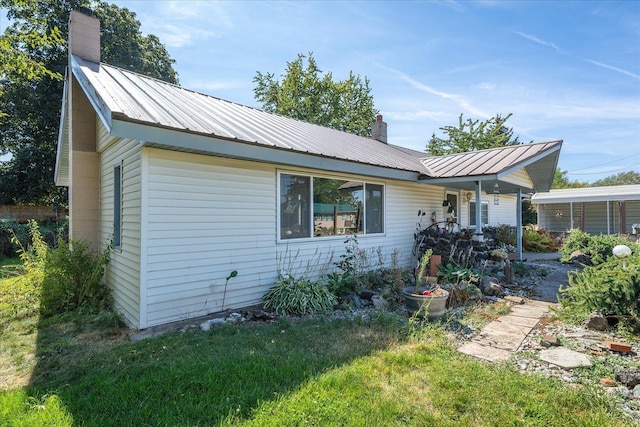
312 175
482 203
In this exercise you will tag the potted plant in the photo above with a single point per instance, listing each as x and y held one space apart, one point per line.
426 298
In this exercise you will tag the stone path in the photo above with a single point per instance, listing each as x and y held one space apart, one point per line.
504 336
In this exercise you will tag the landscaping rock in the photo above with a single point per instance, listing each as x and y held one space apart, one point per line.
549 341
597 322
565 358
379 302
608 382
629 377
578 257
636 392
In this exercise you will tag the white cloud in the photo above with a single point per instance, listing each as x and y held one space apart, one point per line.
610 67
539 41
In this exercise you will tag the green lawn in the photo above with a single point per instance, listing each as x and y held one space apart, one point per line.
78 370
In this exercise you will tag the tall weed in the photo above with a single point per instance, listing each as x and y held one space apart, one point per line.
64 278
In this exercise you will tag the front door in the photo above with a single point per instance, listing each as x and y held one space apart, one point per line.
451 213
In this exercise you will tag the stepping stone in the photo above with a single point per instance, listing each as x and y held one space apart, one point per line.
504 341
528 311
529 322
503 327
490 354
565 358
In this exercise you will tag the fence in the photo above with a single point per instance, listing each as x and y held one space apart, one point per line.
39 213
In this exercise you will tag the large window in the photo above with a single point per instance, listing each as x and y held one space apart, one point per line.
318 207
117 205
484 211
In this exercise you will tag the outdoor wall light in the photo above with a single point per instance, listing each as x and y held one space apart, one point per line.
468 196
445 203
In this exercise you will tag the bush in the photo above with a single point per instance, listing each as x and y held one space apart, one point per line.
597 247
612 288
73 280
10 229
299 296
68 277
506 235
538 241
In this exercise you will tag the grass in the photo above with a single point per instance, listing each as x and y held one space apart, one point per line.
82 370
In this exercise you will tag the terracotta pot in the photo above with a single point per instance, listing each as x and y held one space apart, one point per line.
433 265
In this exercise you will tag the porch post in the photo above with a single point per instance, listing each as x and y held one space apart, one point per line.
478 233
571 214
608 217
519 222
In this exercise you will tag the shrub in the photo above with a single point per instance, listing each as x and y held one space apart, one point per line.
67 277
9 230
612 287
538 241
293 295
73 280
506 235
598 247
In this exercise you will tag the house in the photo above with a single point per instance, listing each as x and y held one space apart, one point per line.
189 188
594 210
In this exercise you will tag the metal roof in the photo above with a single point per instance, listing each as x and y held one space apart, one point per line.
538 160
128 96
168 116
588 194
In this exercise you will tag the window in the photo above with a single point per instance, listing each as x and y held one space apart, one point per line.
313 206
484 212
117 205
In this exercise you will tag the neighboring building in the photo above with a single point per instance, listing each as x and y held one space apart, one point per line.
595 210
189 187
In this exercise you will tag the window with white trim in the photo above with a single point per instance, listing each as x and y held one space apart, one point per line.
117 205
315 206
484 212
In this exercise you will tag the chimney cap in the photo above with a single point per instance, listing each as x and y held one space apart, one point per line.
85 11
379 118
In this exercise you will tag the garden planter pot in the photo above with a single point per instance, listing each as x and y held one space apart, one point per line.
417 304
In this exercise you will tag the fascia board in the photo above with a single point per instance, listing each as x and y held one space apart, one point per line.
98 104
63 142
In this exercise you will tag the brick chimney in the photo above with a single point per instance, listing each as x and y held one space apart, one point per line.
84 164
84 35
379 129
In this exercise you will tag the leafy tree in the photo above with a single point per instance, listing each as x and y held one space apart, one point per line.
473 135
32 102
623 178
305 94
561 180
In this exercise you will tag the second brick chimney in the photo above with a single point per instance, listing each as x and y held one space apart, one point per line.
379 129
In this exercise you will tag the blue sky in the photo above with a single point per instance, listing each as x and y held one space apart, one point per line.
566 69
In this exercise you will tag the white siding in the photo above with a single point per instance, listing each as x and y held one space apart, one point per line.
207 216
504 213
123 272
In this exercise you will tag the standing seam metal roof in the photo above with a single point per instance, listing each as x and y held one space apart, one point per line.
130 97
133 97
